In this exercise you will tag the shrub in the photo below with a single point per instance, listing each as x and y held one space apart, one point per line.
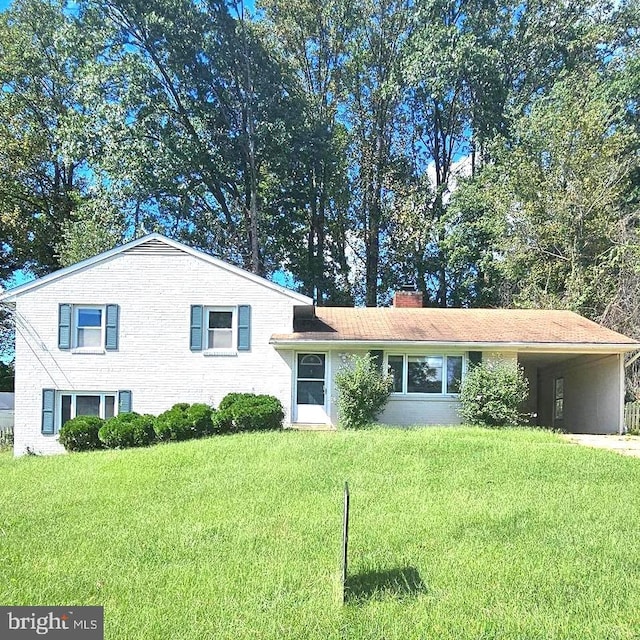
128 430
249 412
363 391
492 394
81 433
184 421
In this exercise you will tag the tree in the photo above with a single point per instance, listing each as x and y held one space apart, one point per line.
199 117
42 51
313 38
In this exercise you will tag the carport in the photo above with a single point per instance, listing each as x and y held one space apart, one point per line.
576 392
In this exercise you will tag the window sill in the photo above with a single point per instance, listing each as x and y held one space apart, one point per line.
213 353
438 397
95 351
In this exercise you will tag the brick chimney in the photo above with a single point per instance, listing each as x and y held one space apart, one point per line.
408 298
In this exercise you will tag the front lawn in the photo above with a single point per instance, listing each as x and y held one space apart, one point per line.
456 533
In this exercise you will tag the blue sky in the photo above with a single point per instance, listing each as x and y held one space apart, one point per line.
4 4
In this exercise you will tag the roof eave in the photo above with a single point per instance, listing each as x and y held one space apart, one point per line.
538 347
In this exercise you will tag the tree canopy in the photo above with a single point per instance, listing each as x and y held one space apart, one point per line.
488 153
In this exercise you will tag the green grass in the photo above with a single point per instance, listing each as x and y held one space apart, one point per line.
455 533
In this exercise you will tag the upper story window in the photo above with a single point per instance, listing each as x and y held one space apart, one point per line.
220 330
220 325
433 374
88 327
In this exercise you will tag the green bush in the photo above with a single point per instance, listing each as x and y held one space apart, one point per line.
128 430
249 412
363 391
492 395
81 433
184 422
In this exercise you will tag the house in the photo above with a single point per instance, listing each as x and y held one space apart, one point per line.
155 322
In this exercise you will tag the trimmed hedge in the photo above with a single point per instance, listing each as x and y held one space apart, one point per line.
81 433
128 430
184 421
249 412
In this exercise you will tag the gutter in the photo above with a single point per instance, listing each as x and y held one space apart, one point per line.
535 347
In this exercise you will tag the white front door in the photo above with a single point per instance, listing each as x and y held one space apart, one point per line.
311 386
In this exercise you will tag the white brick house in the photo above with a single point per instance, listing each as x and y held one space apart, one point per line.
155 322
129 329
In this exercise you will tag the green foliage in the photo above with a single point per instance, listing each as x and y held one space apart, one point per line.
363 391
7 376
128 430
492 394
249 412
81 433
184 421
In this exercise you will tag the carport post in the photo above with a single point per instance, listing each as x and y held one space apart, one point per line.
622 384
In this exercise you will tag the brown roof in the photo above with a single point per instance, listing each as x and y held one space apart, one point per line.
499 326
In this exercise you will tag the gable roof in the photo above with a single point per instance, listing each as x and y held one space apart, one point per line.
151 243
454 327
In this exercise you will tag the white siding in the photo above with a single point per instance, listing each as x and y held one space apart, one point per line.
154 291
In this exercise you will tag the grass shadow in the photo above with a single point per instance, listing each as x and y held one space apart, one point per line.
398 583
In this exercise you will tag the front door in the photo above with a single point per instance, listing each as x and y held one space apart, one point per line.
311 397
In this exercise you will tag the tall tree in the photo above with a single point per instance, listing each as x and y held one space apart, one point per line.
373 97
313 37
41 180
197 111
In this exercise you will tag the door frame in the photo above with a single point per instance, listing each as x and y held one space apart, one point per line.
326 408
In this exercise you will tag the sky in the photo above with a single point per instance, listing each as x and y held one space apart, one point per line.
4 4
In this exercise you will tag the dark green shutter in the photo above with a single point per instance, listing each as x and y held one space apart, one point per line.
244 327
111 333
377 357
64 326
196 328
475 357
48 411
124 401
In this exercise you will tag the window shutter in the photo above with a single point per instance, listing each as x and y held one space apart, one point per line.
48 411
475 357
111 328
64 326
244 327
196 328
377 358
124 401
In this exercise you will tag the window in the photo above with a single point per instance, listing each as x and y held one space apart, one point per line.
89 327
434 374
558 399
396 368
220 329
310 379
72 405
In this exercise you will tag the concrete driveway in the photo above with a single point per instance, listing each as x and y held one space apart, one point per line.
626 445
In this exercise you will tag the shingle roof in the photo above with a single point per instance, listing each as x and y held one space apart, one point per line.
498 326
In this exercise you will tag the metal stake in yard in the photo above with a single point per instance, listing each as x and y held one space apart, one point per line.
345 541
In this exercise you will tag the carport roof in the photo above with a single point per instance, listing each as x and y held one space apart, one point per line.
485 327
